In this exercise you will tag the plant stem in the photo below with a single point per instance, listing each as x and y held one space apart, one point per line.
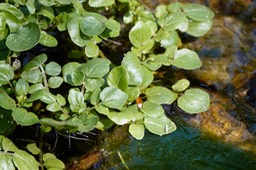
44 78
40 145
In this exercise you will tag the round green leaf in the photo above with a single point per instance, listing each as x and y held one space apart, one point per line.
139 75
21 87
6 74
194 101
76 100
24 161
23 117
55 82
47 40
32 76
121 118
35 87
53 107
198 29
113 97
95 68
91 49
72 75
181 85
186 59
139 34
101 3
25 38
152 109
33 148
118 77
53 69
93 83
176 21
198 12
51 162
92 24
36 62
133 93
6 101
137 130
160 95
6 162
160 125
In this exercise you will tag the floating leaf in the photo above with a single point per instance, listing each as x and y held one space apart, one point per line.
113 97
181 85
23 117
160 95
186 59
25 38
194 101
6 101
101 3
152 109
159 125
95 68
6 74
53 69
92 24
198 12
140 34
137 130
118 77
72 75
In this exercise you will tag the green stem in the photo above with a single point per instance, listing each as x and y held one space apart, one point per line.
44 78
40 145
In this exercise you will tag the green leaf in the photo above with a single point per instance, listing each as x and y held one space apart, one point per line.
47 40
52 163
92 24
35 87
102 109
7 145
121 118
23 117
95 68
93 83
92 50
112 97
43 95
89 124
118 77
137 130
133 93
21 87
25 38
198 29
60 99
76 101
32 76
181 85
176 21
198 12
53 107
140 34
36 62
74 32
55 82
113 28
6 101
6 162
194 101
33 148
101 3
159 125
186 59
160 95
152 109
6 73
139 75
95 97
72 75
11 9
53 69
24 161
30 4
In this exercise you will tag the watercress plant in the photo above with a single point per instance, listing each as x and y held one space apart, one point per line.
97 89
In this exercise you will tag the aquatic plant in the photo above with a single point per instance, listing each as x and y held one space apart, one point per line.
96 92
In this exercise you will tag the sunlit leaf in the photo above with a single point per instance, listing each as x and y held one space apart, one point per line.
25 38
101 3
159 125
160 95
118 77
47 40
6 101
52 163
176 21
198 12
71 75
6 74
113 97
21 87
55 82
76 100
194 101
152 109
37 61
121 118
24 161
186 59
181 85
91 49
53 68
198 29
23 117
137 130
33 148
6 162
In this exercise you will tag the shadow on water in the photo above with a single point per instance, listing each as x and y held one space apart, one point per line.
185 149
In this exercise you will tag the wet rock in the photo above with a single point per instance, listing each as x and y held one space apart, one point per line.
218 122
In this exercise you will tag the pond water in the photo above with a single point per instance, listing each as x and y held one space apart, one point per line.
184 149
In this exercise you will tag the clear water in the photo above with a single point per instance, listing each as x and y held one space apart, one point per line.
185 149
